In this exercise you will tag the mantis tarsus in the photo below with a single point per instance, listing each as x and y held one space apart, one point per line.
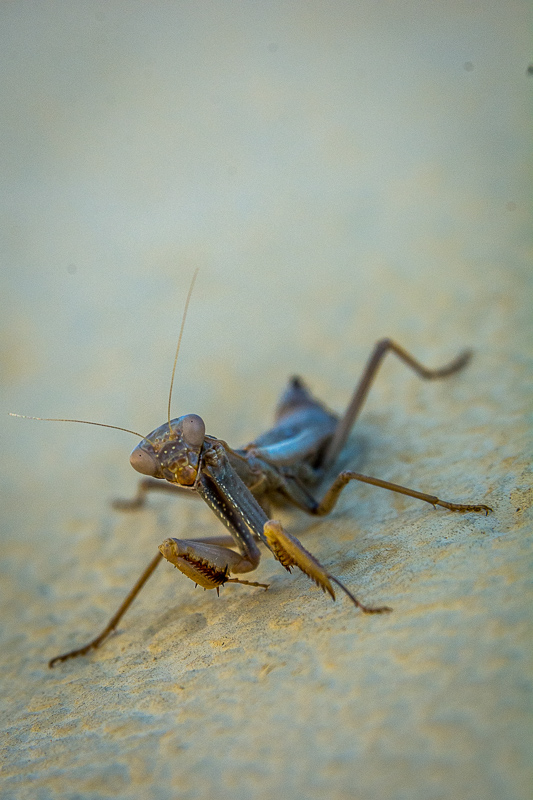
286 462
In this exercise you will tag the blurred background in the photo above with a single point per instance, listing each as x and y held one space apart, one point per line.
339 172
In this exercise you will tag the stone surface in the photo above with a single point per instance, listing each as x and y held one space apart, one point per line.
339 172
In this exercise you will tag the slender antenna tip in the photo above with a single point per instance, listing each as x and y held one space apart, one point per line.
79 421
184 317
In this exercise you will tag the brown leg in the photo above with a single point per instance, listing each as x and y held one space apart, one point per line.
290 552
223 541
150 485
113 622
382 347
332 495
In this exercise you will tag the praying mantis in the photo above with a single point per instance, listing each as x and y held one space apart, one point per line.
287 463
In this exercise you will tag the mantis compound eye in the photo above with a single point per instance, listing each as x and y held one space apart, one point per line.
143 462
193 430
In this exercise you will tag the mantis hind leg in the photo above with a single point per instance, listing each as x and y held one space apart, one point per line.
329 500
301 497
380 350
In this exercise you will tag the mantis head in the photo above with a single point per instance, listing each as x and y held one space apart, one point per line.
172 451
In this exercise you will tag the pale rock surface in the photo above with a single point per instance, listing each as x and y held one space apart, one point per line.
340 172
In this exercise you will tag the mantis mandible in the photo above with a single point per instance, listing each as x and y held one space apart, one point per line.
285 463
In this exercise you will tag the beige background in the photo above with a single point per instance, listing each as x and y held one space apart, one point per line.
339 171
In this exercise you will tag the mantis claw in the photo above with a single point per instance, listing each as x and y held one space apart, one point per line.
290 552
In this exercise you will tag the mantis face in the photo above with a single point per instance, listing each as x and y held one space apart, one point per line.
172 452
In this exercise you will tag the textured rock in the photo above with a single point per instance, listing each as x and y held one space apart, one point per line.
339 173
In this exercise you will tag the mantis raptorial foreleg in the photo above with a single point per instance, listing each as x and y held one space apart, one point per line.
207 564
290 552
195 553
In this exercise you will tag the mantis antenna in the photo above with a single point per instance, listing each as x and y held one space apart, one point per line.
82 421
116 427
184 317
